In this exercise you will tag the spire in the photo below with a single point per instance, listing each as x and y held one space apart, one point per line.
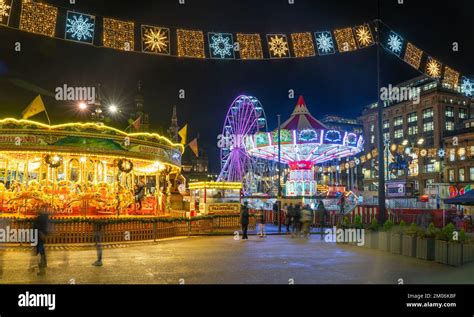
174 128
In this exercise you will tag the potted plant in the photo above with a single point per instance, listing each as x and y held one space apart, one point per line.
371 235
396 238
425 243
468 248
443 238
344 225
384 236
455 248
409 240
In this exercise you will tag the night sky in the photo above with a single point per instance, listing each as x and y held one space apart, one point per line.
337 84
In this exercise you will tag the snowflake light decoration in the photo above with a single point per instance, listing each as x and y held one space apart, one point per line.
221 45
395 43
80 27
324 43
278 45
4 11
433 67
155 40
363 35
467 86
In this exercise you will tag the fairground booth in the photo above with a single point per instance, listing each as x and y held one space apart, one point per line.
83 169
215 198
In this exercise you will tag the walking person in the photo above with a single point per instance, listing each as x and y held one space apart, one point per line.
98 233
306 220
296 219
41 225
288 216
322 212
262 220
244 220
342 203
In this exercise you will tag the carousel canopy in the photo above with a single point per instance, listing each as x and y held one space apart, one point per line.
304 139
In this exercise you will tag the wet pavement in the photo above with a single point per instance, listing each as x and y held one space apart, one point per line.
221 259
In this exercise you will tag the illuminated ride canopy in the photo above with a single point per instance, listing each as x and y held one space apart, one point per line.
304 142
81 168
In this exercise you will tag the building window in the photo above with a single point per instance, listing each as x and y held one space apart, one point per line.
386 124
398 121
429 182
449 112
462 113
372 139
428 113
428 126
413 130
412 117
449 126
471 152
451 175
462 153
452 155
429 168
471 173
386 136
372 127
461 175
398 134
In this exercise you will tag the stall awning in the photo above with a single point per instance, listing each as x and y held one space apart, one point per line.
466 199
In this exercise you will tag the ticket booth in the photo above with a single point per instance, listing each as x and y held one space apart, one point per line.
210 198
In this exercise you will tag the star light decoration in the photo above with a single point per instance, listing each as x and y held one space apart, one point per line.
221 45
451 77
363 36
5 7
395 43
278 45
324 43
467 86
155 40
303 45
250 46
119 34
433 67
79 27
38 18
345 40
413 55
190 43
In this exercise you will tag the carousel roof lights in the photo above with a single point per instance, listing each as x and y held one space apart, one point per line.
95 125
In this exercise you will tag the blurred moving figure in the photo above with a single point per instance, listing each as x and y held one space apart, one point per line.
41 224
306 220
262 220
98 233
244 220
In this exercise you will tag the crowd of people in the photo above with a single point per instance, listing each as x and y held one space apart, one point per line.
298 219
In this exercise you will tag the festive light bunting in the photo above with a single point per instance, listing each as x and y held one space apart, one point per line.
433 68
394 43
38 18
413 55
119 34
278 46
451 77
5 7
303 45
324 43
345 40
467 86
190 43
250 46
155 40
221 45
79 27
364 36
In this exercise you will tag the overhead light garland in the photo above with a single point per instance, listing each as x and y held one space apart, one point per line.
79 27
5 7
345 40
364 36
413 55
221 45
324 43
451 77
278 46
38 18
433 68
190 43
303 45
250 46
155 40
119 34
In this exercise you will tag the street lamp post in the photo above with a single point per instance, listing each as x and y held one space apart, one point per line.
279 175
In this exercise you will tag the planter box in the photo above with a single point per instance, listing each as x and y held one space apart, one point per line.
425 248
441 251
396 243
468 253
455 254
371 238
384 241
409 245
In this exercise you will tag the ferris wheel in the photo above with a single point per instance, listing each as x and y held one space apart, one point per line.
245 117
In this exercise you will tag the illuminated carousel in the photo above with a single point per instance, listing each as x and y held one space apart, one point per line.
305 142
80 169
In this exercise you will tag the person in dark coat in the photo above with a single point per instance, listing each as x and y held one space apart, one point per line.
262 220
244 220
296 219
98 233
322 212
41 224
342 203
288 214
